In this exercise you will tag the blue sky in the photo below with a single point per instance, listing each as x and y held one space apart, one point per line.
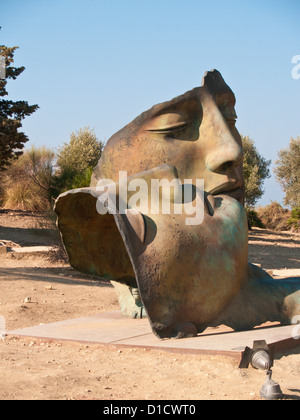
101 63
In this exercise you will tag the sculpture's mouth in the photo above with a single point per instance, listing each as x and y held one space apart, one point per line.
237 194
232 189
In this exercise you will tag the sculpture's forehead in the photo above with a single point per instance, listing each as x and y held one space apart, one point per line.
213 85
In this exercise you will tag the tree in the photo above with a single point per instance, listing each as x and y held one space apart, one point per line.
255 171
11 113
77 159
287 172
28 182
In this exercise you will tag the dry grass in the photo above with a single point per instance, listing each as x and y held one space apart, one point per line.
21 196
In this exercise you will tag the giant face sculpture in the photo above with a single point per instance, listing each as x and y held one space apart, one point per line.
187 276
194 132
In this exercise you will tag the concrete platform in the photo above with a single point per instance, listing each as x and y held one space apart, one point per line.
32 249
110 328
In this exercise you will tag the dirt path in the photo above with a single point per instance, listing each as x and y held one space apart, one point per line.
34 291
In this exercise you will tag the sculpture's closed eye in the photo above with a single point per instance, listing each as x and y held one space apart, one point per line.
168 121
170 129
174 125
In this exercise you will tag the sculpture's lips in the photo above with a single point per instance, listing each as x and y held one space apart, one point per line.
237 194
232 189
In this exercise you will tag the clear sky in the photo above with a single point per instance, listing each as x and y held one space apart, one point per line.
100 63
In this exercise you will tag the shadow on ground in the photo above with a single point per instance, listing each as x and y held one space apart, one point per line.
29 237
63 275
278 251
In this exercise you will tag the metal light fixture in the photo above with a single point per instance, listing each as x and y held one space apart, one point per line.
271 390
261 358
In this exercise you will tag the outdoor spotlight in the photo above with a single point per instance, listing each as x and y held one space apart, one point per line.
260 357
271 390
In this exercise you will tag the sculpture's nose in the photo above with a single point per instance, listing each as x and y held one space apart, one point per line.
224 152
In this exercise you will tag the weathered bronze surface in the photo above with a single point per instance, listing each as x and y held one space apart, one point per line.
188 276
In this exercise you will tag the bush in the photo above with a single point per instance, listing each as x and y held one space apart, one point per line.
274 216
67 179
83 151
253 219
294 220
76 160
83 179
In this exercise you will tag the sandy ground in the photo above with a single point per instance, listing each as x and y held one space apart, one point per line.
37 290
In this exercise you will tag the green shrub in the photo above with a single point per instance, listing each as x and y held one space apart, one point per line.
253 219
76 160
83 179
67 180
294 220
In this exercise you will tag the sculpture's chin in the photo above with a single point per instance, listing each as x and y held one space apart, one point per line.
188 274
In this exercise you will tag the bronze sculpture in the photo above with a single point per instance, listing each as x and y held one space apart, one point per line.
185 275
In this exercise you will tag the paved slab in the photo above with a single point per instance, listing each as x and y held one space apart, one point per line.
287 272
30 249
111 328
